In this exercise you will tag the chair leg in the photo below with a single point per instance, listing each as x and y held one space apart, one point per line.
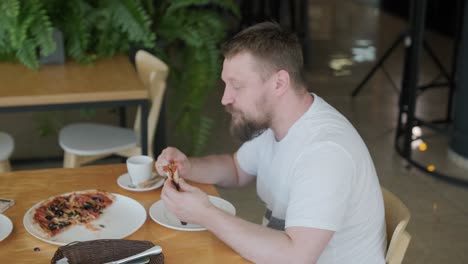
5 166
70 160
129 152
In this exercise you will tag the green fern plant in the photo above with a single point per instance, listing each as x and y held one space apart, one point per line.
191 32
92 29
95 29
25 28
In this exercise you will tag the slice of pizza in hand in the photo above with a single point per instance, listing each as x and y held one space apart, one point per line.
172 173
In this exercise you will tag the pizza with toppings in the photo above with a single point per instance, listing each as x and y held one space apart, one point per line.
59 213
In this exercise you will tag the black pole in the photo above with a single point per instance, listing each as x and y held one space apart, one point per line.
407 119
459 140
461 12
411 72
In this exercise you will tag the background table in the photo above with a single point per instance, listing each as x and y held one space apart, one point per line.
29 187
110 82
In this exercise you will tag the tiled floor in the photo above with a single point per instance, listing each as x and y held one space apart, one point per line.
439 223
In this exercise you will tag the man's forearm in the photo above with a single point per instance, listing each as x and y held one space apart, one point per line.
214 169
256 243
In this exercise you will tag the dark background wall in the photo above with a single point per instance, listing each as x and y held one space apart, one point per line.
441 15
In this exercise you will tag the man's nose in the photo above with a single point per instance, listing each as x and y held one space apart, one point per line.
227 98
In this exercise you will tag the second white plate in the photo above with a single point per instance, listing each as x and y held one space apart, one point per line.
159 213
6 226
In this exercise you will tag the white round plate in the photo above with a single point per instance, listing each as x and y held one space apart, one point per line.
162 216
125 182
121 219
6 226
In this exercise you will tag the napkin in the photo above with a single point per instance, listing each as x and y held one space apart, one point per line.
5 204
103 250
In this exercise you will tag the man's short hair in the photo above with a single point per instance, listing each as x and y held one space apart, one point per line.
275 48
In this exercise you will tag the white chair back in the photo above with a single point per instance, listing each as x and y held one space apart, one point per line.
153 73
397 216
6 148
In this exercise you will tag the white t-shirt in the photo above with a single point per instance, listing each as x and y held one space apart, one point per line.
321 175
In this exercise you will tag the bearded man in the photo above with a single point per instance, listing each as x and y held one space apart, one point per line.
312 169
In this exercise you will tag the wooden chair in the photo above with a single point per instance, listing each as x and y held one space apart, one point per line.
397 217
6 148
87 142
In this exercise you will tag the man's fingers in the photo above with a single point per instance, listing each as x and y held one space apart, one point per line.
185 186
168 155
160 163
169 189
168 202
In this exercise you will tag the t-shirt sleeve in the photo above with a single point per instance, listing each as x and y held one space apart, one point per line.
320 187
248 154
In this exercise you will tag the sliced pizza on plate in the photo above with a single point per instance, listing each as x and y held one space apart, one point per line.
59 213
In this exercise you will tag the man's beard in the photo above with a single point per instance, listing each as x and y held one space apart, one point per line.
246 129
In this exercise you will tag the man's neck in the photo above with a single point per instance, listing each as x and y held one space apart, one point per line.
288 111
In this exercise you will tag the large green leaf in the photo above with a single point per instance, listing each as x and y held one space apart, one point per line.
133 20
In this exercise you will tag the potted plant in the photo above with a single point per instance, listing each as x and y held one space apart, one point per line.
91 29
190 33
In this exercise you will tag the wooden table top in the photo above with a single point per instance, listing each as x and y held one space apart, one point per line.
109 79
29 187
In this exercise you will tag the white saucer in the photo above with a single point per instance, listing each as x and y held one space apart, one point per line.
162 216
6 226
125 182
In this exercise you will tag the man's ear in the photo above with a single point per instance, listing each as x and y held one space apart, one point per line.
282 82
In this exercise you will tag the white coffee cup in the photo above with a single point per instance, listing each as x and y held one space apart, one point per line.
140 168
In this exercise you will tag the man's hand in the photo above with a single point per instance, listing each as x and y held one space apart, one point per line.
172 154
189 205
221 170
